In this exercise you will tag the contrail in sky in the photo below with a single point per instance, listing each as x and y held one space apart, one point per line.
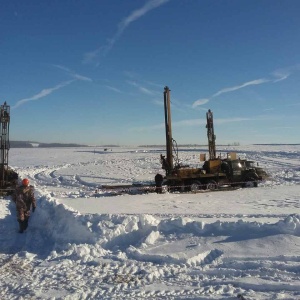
234 88
135 15
113 89
43 93
230 89
279 75
199 102
284 73
73 74
141 88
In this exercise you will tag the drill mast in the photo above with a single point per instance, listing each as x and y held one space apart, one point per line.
168 126
211 135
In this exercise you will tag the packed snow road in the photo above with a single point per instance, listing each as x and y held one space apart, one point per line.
86 245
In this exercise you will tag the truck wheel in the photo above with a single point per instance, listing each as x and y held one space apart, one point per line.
165 187
250 182
211 185
195 186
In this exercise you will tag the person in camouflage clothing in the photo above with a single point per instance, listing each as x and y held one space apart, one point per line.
24 199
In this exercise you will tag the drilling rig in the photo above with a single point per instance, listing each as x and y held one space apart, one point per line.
8 178
215 172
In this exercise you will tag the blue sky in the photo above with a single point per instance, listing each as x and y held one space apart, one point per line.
93 72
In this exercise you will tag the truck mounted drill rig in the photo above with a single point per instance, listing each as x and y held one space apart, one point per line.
215 173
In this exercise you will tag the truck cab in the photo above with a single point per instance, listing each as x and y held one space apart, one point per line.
239 171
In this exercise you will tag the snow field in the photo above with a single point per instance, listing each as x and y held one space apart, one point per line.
80 245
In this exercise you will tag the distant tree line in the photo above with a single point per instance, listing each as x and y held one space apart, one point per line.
20 144
28 144
181 145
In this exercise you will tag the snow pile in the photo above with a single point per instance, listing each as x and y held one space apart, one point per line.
136 252
65 229
59 224
291 225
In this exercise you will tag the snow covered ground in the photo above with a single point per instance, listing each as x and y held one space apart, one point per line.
83 244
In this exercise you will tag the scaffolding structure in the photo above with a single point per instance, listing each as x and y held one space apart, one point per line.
4 143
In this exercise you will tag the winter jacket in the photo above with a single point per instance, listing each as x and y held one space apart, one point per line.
24 199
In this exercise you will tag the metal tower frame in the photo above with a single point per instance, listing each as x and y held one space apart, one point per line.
4 142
